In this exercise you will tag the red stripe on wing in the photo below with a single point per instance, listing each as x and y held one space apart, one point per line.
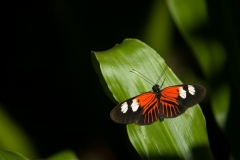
149 103
169 101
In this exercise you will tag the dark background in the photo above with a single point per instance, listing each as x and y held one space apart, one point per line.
48 84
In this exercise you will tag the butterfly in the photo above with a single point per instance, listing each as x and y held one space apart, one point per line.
148 107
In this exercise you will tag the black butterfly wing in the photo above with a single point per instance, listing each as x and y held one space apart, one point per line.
175 100
142 109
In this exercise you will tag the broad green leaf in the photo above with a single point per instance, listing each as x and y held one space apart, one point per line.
184 137
7 155
64 155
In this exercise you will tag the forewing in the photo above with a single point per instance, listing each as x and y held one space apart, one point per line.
175 100
142 109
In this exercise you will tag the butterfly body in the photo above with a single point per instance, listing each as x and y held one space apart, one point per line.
148 107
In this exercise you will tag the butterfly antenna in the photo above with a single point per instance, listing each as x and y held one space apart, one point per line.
163 82
164 70
142 76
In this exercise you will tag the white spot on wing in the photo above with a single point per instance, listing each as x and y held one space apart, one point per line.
182 92
124 107
191 89
134 105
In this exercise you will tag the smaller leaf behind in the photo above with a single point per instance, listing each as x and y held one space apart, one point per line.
64 155
8 155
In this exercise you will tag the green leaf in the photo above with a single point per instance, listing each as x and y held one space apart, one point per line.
184 137
191 18
221 104
158 31
64 155
7 155
13 138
